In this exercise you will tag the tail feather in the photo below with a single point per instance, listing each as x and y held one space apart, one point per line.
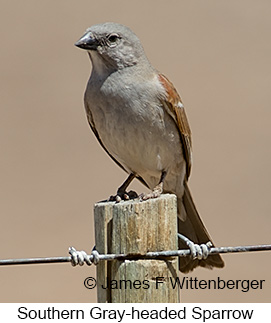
194 229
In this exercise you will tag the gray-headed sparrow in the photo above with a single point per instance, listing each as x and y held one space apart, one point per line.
139 119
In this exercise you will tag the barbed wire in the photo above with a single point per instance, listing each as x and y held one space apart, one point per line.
81 257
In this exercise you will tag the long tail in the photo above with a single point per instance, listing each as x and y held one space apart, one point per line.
193 228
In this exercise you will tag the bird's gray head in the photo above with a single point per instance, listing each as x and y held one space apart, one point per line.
112 46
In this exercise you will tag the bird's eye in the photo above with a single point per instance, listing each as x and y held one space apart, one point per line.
113 38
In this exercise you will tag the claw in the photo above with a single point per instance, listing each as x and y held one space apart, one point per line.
154 194
123 196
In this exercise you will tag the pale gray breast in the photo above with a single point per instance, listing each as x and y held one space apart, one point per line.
135 128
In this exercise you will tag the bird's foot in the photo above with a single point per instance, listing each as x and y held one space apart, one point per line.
199 252
123 196
156 192
147 196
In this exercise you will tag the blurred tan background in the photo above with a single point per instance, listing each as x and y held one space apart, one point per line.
52 169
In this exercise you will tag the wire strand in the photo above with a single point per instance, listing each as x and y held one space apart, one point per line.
149 255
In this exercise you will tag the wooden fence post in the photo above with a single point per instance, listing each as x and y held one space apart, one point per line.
136 227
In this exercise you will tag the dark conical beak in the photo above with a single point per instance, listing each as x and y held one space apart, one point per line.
88 42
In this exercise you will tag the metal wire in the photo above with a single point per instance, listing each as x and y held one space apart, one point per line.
148 255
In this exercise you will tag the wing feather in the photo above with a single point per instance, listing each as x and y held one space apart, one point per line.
175 107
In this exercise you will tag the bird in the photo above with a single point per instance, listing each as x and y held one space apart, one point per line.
139 119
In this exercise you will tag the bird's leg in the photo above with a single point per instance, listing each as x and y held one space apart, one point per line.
157 191
122 194
122 189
